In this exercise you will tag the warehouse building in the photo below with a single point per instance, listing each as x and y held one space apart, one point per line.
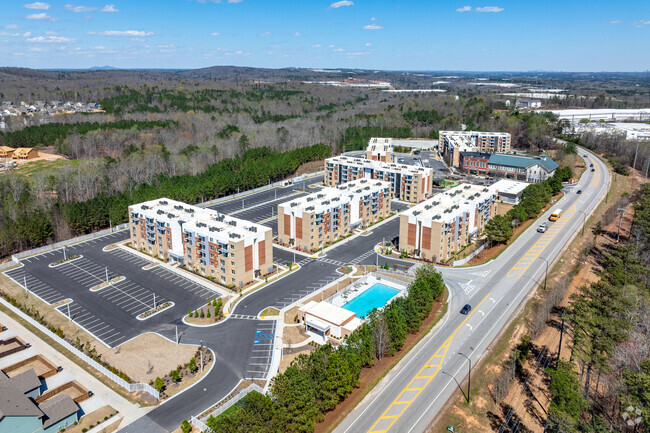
444 224
309 222
454 142
231 250
408 183
380 149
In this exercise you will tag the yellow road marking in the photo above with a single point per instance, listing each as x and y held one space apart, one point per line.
536 250
455 276
440 353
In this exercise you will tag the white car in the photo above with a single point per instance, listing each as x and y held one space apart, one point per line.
542 227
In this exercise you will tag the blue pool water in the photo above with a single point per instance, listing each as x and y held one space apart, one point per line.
375 297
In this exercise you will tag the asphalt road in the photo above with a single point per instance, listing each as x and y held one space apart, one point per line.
415 391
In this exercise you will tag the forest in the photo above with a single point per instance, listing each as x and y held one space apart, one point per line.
315 383
609 367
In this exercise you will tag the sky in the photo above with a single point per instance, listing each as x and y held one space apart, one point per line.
499 35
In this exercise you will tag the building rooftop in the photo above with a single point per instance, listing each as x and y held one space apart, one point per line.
329 197
14 402
446 206
197 219
523 161
381 145
24 382
57 408
475 133
476 155
507 186
329 313
378 165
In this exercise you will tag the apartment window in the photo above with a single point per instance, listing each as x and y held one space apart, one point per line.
232 255
133 231
189 250
232 271
232 263
233 281
212 256
232 247
211 247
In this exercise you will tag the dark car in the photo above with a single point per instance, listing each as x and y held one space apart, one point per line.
466 309
579 191
417 152
593 169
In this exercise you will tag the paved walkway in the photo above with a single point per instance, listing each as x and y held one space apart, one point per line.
127 409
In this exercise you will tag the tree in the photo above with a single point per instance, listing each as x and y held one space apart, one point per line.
192 365
499 229
175 376
159 384
396 323
380 335
186 427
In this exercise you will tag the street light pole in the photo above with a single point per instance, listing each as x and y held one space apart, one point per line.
469 379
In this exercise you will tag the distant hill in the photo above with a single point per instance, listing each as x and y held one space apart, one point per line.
104 68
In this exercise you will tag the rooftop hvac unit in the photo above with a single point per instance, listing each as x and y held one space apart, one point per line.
428 206
252 229
213 229
320 195
234 236
178 207
163 202
232 223
160 211
171 216
144 206
310 208
416 212
308 199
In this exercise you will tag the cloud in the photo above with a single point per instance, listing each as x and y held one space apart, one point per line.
489 9
37 5
109 8
616 22
641 23
27 34
372 27
215 34
235 1
373 19
464 9
137 40
338 4
13 35
330 46
79 9
11 27
316 46
50 40
51 33
368 44
132 33
338 50
297 34
266 34
357 54
42 16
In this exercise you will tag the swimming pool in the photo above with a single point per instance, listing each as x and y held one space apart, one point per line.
376 296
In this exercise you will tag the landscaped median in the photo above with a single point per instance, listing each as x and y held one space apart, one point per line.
105 284
65 260
157 310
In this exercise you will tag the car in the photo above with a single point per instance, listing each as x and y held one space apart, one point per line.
466 309
585 155
591 165
417 152
579 191
542 227
593 169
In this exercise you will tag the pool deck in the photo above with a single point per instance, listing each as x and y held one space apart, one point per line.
362 285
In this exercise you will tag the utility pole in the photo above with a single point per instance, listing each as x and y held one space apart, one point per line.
154 301
620 220
25 282
469 379
64 253
69 316
635 154
106 268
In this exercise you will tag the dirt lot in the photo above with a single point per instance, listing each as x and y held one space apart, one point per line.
147 356
529 404
310 167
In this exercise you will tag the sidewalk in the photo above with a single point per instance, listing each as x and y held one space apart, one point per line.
128 410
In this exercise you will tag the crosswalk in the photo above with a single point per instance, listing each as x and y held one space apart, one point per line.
362 257
243 316
324 260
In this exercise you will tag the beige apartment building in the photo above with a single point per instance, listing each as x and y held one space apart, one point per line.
309 222
453 142
444 224
408 182
380 149
232 251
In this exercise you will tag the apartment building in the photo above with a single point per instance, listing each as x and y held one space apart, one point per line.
408 182
444 224
454 142
309 222
521 167
231 250
380 149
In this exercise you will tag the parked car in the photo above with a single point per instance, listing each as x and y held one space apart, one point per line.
466 309
542 227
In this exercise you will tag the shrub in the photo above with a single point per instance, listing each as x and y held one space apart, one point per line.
159 384
186 427
202 314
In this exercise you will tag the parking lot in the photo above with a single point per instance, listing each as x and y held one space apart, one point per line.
262 354
111 313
